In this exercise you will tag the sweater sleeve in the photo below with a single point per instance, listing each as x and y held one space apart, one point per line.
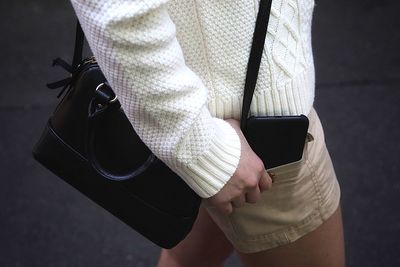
136 47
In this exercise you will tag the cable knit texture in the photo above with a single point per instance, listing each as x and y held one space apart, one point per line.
178 68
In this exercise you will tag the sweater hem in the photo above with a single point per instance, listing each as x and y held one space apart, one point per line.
292 98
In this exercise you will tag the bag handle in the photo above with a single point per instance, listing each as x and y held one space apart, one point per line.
102 105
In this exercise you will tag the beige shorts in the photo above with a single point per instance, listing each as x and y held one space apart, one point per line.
304 195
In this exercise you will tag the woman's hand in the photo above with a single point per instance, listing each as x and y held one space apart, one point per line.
248 181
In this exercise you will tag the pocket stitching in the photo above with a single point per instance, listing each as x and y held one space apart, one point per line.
315 182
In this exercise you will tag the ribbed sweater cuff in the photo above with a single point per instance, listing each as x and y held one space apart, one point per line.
216 166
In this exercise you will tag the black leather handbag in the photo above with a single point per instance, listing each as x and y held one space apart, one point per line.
89 142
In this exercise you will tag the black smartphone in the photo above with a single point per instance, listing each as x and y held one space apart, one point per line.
277 140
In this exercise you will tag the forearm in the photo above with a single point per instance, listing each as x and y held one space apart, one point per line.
136 47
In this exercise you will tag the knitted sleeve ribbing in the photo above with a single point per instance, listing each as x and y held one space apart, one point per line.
135 45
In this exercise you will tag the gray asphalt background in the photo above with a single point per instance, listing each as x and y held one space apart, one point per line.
45 222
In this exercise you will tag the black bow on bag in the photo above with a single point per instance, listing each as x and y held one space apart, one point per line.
89 142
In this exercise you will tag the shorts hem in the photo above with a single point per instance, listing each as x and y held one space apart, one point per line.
289 234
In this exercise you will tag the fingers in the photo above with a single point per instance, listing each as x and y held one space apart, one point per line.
239 201
265 181
242 188
226 208
253 195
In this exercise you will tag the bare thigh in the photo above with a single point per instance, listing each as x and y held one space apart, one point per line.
205 245
323 247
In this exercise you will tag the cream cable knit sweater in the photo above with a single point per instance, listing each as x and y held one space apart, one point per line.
178 68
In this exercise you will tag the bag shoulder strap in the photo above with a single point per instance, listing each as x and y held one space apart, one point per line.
78 49
253 64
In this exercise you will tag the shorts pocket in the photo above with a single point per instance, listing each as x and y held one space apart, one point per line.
292 169
289 202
